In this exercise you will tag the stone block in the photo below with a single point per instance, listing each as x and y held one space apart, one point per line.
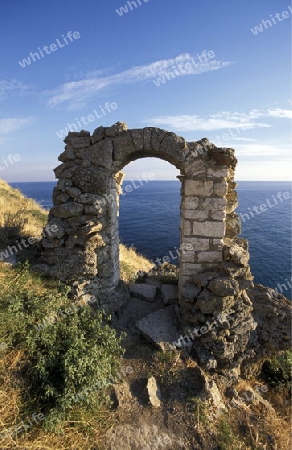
138 139
144 291
197 244
220 189
100 154
210 257
67 210
217 172
97 135
91 180
190 203
169 293
147 138
195 214
210 229
213 203
198 188
123 147
161 327
78 141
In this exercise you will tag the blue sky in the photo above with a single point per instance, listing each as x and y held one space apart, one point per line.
238 95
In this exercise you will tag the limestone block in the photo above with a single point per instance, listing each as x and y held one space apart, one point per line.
211 229
69 209
97 135
91 180
123 147
218 215
217 171
96 208
190 269
213 203
72 191
77 141
100 154
220 189
187 228
54 229
90 199
197 244
195 167
175 147
147 138
67 155
187 257
209 257
138 139
161 327
157 136
190 203
59 199
60 169
195 214
198 188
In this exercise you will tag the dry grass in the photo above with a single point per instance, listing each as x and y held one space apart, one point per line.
131 262
16 209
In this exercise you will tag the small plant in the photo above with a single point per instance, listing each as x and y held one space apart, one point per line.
12 226
199 408
227 440
277 371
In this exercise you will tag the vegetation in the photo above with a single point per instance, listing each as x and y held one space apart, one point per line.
59 359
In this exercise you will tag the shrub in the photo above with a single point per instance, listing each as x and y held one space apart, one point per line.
70 358
12 226
277 371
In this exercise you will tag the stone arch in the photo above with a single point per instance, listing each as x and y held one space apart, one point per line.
86 200
82 237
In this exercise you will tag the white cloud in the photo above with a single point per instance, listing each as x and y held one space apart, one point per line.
74 93
12 124
280 113
219 121
12 87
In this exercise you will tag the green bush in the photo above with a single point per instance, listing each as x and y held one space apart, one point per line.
277 371
71 353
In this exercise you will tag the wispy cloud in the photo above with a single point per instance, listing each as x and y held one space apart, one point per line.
220 120
12 88
15 123
73 94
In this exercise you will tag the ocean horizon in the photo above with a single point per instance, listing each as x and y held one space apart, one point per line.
150 217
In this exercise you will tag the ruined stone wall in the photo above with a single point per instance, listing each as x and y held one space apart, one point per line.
214 271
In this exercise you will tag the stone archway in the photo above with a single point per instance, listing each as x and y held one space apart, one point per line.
214 271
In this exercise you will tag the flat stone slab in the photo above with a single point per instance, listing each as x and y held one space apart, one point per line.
161 327
143 291
170 293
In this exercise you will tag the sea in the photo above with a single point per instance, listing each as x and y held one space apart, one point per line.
149 221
